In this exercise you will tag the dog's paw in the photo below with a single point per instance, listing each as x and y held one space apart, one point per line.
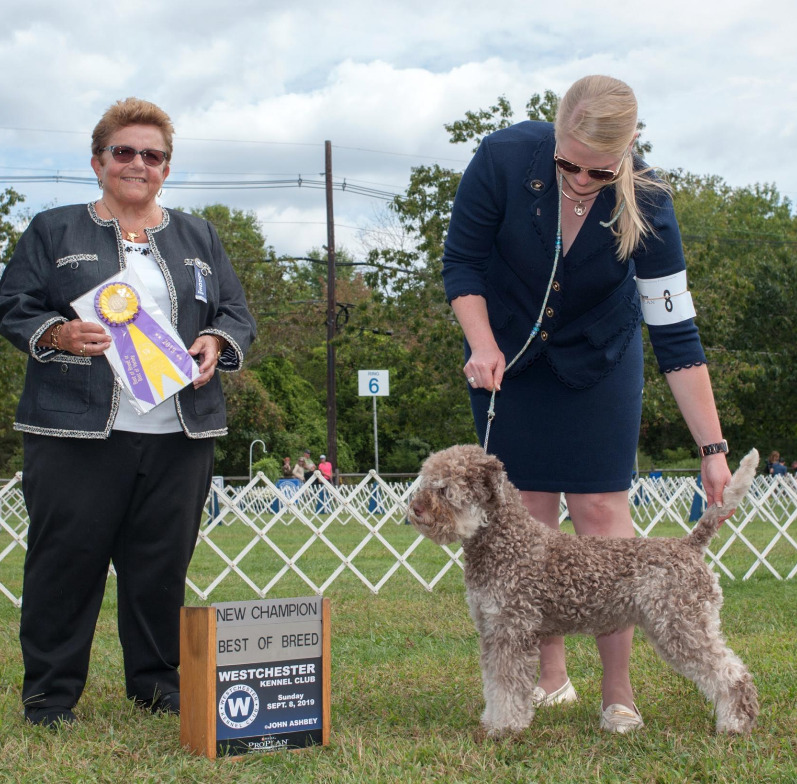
494 732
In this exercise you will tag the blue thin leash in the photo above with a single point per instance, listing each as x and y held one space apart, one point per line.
535 330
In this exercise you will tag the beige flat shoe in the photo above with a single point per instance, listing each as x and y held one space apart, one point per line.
619 718
565 693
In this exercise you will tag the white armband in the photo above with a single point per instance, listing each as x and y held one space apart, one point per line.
665 300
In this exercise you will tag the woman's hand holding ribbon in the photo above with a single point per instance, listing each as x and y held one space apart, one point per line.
83 338
208 348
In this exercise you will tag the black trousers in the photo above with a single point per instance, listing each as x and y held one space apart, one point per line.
134 500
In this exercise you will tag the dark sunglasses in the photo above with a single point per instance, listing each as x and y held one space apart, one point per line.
602 175
124 154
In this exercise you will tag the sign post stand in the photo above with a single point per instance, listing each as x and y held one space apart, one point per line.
374 383
255 676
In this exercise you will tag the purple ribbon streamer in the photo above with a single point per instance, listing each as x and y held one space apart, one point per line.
174 352
131 364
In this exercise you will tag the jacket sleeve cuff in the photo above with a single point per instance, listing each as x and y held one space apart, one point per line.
232 358
44 353
677 346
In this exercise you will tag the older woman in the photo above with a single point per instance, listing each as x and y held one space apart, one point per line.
560 241
102 483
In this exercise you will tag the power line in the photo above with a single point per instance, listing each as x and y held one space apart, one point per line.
402 154
259 141
297 182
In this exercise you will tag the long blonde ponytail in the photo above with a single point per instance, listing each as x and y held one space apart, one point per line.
601 113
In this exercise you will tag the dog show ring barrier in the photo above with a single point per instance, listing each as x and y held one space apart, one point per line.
304 537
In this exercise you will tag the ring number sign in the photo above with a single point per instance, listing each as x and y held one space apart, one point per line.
373 383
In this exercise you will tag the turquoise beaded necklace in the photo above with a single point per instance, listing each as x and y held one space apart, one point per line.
538 324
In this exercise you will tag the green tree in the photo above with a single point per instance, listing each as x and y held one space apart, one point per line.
255 263
12 361
9 228
288 301
739 245
303 416
478 124
251 415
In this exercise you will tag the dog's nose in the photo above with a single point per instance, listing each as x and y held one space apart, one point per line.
416 509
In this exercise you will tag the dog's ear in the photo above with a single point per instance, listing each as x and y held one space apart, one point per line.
496 478
489 472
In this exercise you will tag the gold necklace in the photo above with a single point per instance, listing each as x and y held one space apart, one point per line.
580 208
131 235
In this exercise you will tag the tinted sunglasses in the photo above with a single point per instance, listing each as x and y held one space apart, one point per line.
602 175
124 154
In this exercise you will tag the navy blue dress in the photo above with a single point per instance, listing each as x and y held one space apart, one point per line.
568 414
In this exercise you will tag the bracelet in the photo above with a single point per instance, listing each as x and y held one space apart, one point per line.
714 449
54 336
218 346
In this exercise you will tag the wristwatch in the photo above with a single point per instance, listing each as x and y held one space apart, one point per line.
714 449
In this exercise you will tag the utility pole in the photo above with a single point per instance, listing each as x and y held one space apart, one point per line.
332 406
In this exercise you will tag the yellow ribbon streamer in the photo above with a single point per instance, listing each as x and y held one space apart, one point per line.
153 360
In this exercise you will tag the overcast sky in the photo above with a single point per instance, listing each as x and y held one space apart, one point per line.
255 87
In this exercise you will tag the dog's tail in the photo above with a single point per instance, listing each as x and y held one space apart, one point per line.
735 491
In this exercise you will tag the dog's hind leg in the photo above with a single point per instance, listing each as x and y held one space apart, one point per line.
694 647
509 664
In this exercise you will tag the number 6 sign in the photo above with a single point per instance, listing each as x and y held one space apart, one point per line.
373 383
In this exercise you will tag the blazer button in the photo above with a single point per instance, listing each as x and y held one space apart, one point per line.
555 285
549 312
64 368
544 335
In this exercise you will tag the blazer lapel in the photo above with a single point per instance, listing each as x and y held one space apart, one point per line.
593 239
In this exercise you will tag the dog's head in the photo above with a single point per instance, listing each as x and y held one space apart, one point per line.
458 487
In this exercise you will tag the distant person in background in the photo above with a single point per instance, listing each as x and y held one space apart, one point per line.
779 468
325 467
298 470
102 484
309 465
774 459
287 470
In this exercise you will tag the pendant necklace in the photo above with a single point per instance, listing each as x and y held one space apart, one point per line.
580 208
131 235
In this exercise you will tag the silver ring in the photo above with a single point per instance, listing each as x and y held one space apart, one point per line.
472 380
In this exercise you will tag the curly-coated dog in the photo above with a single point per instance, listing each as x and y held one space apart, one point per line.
526 582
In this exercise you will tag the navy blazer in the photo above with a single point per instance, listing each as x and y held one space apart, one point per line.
69 250
501 244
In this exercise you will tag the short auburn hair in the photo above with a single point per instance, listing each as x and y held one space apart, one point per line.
131 111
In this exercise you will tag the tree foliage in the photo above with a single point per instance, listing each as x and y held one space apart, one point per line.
739 245
478 124
12 361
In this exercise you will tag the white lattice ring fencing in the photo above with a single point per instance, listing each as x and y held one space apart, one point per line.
305 537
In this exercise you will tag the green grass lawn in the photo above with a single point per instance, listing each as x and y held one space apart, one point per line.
406 689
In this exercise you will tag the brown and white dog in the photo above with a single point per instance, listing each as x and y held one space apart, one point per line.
526 582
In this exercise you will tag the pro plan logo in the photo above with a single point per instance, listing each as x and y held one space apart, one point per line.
238 706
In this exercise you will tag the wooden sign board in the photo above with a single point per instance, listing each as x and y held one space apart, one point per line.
255 676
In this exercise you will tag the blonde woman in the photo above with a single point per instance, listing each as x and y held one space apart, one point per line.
561 241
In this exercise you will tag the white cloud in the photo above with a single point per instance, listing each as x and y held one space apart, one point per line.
271 81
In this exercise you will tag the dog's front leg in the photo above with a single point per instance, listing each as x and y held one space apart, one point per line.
509 663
